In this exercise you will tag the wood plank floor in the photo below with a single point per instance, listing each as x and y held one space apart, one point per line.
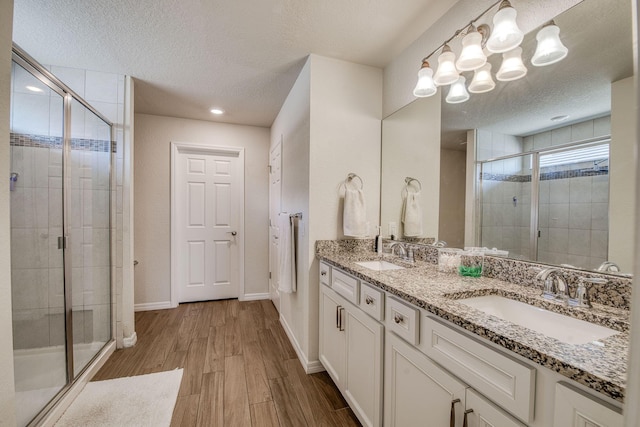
239 367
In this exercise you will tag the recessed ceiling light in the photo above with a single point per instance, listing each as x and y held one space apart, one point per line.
217 111
34 89
561 118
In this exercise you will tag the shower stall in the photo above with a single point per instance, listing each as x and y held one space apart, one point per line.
60 182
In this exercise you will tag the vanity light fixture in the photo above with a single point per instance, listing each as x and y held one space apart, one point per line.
446 72
458 92
512 67
506 34
480 42
425 86
482 81
550 49
217 111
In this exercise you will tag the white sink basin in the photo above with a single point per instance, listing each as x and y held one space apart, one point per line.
379 265
563 328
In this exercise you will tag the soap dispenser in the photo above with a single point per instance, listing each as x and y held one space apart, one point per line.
379 241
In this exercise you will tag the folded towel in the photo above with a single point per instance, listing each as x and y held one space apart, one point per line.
355 213
286 254
412 214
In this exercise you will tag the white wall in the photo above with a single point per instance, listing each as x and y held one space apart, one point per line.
622 179
411 147
292 126
7 390
346 115
153 135
330 126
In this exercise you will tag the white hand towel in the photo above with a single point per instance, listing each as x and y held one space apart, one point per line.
355 213
286 259
412 214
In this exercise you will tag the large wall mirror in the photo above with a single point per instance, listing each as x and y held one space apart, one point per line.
542 167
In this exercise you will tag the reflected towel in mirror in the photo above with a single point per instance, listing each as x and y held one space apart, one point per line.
412 214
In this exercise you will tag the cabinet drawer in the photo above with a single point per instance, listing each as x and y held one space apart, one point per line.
404 320
502 379
574 407
372 301
486 413
345 285
325 274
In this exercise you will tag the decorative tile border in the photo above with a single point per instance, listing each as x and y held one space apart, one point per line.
545 176
55 142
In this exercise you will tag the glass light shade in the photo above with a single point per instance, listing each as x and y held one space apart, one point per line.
505 34
472 57
446 72
512 67
482 81
550 49
458 92
425 86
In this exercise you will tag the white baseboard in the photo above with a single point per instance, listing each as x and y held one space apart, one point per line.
65 401
147 306
130 341
310 367
254 297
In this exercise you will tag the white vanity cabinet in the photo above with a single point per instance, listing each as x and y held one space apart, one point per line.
417 391
420 392
576 409
351 349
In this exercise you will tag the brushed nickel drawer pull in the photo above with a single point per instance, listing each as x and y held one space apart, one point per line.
398 318
452 416
368 300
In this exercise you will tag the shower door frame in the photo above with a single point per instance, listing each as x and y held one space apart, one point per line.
24 60
534 228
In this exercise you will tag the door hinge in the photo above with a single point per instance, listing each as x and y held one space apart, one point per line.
62 242
539 233
269 168
269 275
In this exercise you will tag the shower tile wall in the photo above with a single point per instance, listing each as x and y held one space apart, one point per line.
573 213
505 223
36 202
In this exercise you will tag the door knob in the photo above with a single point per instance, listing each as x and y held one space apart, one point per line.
233 233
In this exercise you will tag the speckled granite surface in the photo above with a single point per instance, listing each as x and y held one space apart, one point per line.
599 365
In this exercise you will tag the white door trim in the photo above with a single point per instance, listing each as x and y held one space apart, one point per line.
176 148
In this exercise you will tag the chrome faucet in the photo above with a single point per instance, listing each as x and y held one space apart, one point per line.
582 293
555 286
403 250
608 266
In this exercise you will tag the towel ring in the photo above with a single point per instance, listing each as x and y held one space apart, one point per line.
351 177
408 180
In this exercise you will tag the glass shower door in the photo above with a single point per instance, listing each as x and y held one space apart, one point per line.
88 223
505 187
37 265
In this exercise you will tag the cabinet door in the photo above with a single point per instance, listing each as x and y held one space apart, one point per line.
332 336
363 388
417 391
576 409
483 413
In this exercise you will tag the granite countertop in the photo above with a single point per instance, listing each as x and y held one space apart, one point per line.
600 365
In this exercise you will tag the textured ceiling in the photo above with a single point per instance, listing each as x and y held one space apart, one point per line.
599 40
242 56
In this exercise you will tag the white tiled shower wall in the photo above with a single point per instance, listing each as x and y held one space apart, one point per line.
573 213
38 193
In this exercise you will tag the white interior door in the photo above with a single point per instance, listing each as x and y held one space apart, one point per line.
207 223
275 193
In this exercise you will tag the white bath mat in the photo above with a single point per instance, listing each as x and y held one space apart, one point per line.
143 400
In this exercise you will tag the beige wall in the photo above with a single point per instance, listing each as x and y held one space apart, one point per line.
292 127
453 164
346 114
411 147
153 135
7 389
622 179
330 126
